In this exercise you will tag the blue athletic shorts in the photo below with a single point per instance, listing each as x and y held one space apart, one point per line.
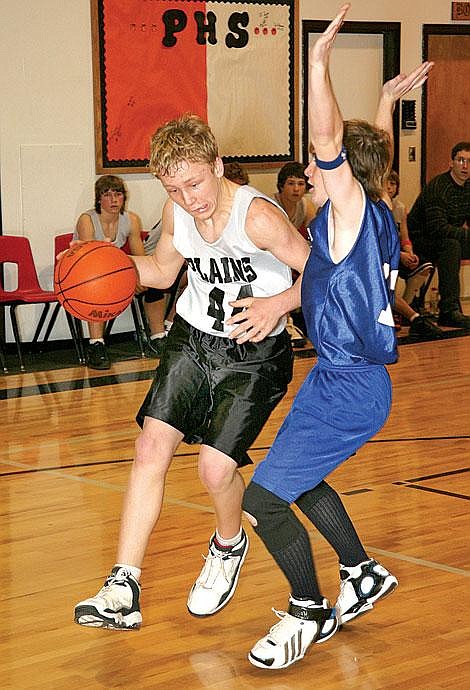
216 391
336 411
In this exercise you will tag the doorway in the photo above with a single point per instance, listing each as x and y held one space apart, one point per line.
446 98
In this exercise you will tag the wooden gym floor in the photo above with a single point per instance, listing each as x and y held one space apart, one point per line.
67 444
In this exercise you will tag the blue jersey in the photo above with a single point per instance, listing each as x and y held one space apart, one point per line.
347 305
346 397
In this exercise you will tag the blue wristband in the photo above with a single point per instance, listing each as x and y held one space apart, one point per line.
331 165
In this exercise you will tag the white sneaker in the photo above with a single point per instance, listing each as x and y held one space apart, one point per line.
288 640
115 606
216 584
361 586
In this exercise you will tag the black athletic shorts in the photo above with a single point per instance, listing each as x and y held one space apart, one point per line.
407 273
216 391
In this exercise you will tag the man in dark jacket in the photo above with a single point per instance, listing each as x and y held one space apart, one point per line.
438 225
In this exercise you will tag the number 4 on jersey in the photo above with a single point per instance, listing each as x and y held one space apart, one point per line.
216 305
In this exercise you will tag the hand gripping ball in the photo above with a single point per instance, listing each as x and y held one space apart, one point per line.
95 281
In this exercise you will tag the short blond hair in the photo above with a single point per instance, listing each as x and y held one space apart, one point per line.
187 138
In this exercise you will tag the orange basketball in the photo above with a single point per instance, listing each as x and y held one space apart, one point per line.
95 281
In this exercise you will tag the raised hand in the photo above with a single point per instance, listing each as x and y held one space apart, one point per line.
404 83
321 49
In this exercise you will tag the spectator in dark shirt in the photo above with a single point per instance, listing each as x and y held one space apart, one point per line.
438 225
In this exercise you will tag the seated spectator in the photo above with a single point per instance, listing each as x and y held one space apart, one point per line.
236 173
292 197
108 221
438 225
413 270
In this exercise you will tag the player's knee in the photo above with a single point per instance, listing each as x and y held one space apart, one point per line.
216 476
149 454
272 518
264 510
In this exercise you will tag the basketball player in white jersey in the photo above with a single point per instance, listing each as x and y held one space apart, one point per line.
218 379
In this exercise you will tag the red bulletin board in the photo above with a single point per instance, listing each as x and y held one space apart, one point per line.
232 63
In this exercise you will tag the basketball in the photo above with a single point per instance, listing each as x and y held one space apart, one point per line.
95 281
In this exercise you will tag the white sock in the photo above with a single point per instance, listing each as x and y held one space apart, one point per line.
96 340
228 542
134 571
158 336
168 324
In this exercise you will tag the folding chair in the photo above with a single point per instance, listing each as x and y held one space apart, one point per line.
17 250
2 359
61 243
137 308
421 297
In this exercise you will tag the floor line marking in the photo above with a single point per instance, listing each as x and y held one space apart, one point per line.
418 561
116 487
208 509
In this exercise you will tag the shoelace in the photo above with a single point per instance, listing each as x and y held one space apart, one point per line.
112 596
287 626
215 564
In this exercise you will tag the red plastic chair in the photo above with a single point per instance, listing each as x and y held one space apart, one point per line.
17 250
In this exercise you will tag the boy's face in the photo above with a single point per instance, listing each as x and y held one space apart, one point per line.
294 188
111 201
391 188
459 167
195 187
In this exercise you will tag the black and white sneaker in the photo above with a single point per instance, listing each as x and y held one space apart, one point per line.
154 347
361 586
422 327
216 584
299 627
97 357
115 606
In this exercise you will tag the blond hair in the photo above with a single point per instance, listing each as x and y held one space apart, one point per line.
369 155
187 138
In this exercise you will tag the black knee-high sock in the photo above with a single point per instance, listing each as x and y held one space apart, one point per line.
326 511
285 538
296 562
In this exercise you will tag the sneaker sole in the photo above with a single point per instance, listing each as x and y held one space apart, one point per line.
93 619
231 592
390 585
257 662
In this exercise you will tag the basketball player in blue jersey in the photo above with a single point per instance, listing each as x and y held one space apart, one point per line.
217 381
347 291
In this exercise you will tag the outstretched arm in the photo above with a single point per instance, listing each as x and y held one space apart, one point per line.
396 88
325 119
326 126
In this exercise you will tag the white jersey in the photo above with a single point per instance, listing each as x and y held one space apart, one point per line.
230 268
